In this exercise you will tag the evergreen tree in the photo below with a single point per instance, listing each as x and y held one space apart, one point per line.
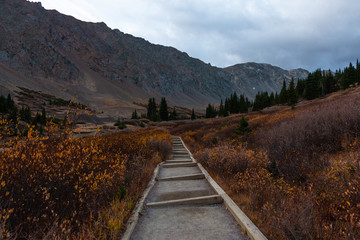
134 115
300 88
243 127
292 96
311 86
2 104
243 105
272 99
210 111
277 99
329 83
221 109
25 114
164 114
43 117
234 103
13 115
283 94
9 102
151 110
226 108
193 116
173 115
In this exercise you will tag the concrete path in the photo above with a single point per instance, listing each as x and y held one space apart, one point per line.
182 204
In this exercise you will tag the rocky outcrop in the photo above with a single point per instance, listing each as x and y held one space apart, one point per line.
109 70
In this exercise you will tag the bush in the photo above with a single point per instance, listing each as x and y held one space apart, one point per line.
120 124
298 144
243 127
61 187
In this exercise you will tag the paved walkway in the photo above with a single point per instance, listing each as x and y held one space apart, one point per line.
183 205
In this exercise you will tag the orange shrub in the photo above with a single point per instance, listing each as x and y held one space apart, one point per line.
56 183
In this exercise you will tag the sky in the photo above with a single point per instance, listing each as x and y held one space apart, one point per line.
291 34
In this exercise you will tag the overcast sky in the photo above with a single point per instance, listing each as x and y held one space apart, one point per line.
288 33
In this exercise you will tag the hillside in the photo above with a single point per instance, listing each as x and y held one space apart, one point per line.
294 171
109 70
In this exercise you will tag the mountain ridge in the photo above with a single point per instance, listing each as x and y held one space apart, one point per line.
108 69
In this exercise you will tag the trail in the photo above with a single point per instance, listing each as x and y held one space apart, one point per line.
184 202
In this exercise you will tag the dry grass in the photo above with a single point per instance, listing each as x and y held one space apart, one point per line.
297 173
55 187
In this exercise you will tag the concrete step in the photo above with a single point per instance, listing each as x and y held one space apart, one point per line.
184 177
204 200
178 161
172 165
178 171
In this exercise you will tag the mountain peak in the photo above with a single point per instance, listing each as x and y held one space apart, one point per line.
108 69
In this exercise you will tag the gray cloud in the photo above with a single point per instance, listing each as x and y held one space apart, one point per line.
299 33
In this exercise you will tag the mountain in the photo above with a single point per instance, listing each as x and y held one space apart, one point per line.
112 71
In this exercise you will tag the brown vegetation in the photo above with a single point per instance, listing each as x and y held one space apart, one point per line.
57 187
297 173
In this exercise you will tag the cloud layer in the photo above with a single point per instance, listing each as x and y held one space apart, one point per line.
298 33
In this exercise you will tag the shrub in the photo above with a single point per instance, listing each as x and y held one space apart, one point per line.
60 187
243 127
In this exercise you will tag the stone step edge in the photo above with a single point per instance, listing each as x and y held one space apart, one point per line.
245 222
133 220
208 200
183 177
179 161
172 165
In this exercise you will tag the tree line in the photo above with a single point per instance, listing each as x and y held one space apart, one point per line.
317 84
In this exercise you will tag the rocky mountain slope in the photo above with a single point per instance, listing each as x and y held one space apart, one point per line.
109 70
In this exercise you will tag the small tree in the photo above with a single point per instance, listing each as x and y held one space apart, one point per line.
292 96
151 110
43 116
120 124
243 127
25 114
193 116
134 115
173 115
283 94
164 114
210 111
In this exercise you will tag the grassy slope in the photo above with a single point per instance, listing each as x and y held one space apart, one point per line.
296 174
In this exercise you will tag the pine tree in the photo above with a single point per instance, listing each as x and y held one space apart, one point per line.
25 114
134 115
193 116
283 94
2 104
13 115
226 108
272 99
173 115
43 117
300 87
164 114
243 106
210 111
329 83
221 109
292 96
151 110
311 86
243 127
234 105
